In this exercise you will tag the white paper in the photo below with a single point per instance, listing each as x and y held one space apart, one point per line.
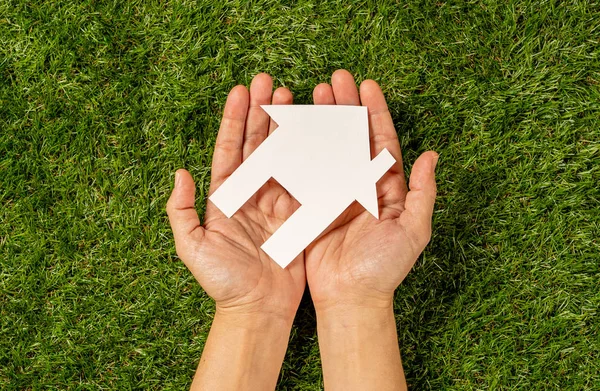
322 157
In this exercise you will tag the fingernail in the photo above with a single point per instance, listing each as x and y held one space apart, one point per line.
177 179
435 160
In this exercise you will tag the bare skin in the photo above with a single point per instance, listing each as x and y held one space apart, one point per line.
256 299
352 269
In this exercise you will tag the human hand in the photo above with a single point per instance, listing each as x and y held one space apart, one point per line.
360 260
224 255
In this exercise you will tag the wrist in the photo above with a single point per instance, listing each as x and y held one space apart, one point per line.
244 351
255 321
349 306
359 348
364 316
269 309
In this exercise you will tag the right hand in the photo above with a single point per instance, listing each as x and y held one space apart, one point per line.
224 255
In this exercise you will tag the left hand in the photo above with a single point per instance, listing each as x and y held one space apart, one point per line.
360 260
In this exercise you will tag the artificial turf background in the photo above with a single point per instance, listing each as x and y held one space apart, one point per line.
100 102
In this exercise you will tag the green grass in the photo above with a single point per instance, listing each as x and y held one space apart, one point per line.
101 101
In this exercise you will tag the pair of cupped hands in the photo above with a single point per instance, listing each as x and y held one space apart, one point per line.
357 262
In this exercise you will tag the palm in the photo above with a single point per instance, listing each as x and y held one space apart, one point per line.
246 273
225 255
358 247
359 253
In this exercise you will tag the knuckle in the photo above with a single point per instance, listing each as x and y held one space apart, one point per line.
228 144
256 138
189 252
183 249
181 254
169 206
422 236
426 237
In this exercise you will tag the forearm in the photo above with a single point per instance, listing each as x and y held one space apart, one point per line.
242 353
359 349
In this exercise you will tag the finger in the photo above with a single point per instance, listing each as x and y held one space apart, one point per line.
323 95
228 147
182 214
383 132
281 96
257 122
418 212
344 88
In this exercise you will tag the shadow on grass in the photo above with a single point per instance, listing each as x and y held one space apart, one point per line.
302 350
458 252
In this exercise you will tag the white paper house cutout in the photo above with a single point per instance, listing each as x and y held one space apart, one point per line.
322 157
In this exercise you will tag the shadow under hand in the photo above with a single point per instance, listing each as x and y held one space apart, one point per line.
444 287
302 359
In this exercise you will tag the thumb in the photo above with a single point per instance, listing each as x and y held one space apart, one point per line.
182 214
419 202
